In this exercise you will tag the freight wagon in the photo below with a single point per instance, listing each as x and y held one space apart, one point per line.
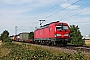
23 37
55 33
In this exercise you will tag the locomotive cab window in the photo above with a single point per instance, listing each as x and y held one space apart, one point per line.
59 27
65 27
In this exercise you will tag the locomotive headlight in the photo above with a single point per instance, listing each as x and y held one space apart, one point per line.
57 35
66 35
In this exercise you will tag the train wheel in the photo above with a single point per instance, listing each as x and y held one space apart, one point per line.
65 44
52 43
48 43
36 42
40 42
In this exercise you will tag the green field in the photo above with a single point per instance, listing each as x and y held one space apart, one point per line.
12 51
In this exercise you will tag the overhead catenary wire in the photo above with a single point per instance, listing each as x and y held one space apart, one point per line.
66 7
48 10
52 8
80 12
63 9
77 14
82 7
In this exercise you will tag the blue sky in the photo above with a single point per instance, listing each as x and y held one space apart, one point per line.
26 14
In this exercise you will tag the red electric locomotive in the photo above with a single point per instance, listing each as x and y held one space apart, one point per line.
55 33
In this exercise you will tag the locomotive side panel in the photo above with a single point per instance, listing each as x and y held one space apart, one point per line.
51 31
36 34
46 33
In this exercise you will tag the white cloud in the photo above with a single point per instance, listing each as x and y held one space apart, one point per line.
85 11
80 20
69 6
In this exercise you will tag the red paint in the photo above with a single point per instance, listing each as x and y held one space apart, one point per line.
50 31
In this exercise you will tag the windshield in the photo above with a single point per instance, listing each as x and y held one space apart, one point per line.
61 27
65 27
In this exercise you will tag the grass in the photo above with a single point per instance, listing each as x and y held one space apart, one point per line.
87 42
4 51
22 51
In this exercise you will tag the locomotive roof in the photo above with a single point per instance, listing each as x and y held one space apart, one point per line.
50 23
44 26
47 25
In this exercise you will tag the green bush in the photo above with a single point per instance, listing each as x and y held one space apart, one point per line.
7 40
5 36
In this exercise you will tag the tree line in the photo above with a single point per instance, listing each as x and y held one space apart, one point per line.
75 35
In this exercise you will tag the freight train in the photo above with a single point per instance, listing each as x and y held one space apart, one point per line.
54 33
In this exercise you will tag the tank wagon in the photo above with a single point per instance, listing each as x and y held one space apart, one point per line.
55 33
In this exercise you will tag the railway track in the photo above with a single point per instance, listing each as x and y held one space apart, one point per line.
82 48
73 47
68 49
